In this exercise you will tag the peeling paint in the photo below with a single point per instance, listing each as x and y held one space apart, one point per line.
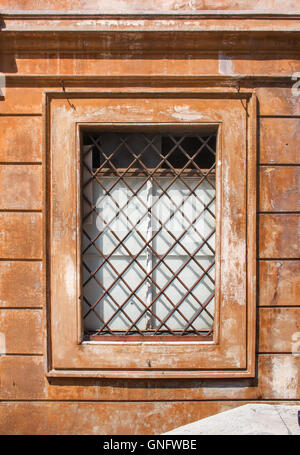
69 277
284 377
226 65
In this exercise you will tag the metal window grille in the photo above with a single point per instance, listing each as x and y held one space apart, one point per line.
148 227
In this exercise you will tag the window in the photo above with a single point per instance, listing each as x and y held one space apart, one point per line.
148 234
151 234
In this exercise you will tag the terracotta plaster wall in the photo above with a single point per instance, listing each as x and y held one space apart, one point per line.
131 6
32 404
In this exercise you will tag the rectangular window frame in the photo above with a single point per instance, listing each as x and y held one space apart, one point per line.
230 354
155 129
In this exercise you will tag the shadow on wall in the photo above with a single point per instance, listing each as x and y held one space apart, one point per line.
8 63
152 384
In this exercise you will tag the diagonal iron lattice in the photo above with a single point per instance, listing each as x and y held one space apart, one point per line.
148 226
